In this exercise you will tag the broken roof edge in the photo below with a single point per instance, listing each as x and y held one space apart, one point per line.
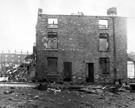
83 15
78 15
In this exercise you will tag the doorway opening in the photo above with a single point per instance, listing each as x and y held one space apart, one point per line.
89 72
67 71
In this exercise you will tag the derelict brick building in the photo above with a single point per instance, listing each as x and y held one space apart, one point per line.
81 48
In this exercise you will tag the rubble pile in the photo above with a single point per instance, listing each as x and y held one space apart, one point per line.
54 95
23 73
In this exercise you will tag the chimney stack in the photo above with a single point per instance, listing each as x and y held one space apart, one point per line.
112 11
39 11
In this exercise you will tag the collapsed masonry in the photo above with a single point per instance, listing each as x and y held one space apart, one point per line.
22 73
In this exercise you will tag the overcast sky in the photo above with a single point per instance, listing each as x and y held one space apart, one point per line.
18 18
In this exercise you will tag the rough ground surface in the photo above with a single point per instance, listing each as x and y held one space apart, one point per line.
27 97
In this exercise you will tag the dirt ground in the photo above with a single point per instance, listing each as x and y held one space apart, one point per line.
28 97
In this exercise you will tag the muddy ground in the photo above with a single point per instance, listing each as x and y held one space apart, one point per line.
65 96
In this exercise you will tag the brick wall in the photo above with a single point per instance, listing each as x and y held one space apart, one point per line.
121 46
78 38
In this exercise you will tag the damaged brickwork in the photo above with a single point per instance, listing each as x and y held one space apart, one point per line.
68 48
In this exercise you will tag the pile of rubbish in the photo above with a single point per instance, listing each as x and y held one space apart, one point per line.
91 89
22 73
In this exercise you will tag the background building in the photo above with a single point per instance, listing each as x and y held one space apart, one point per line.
11 59
81 48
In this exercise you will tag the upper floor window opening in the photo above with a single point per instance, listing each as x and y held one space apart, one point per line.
52 23
52 40
6 55
103 42
103 24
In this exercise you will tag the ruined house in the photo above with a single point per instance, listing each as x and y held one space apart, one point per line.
81 48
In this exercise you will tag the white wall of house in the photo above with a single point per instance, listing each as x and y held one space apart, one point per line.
130 69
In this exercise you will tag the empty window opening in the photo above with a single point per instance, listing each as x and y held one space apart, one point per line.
52 65
6 55
103 24
52 40
103 42
104 65
52 23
